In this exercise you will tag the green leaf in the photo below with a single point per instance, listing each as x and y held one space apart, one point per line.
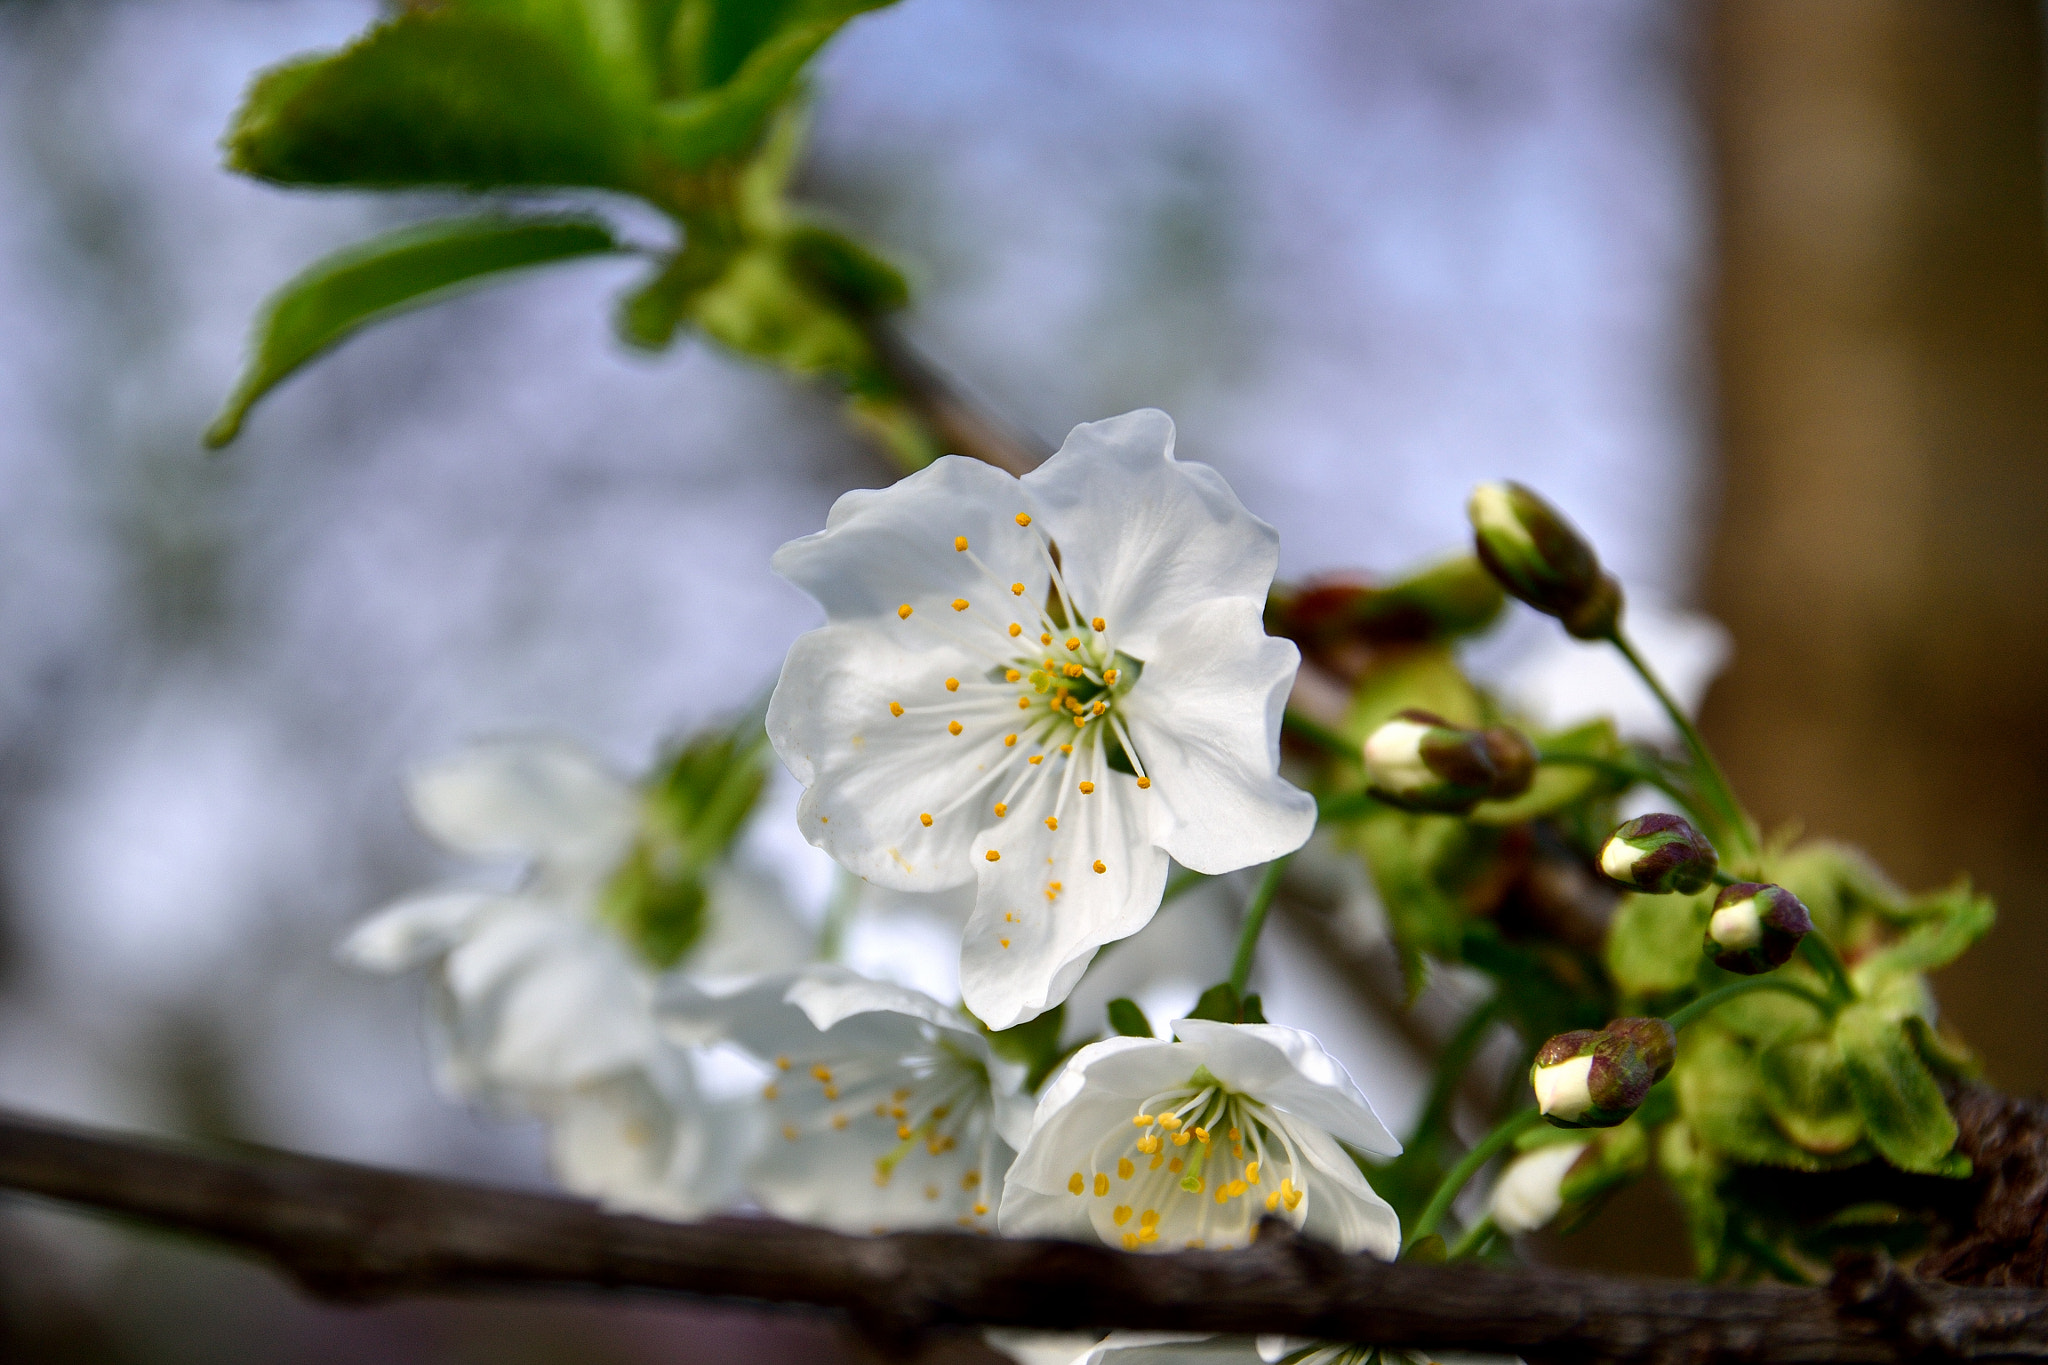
373 280
1945 925
1722 1096
605 35
1807 1091
758 308
725 121
1221 1003
1903 1111
1128 1020
438 98
1253 1011
1653 946
1426 677
714 39
857 279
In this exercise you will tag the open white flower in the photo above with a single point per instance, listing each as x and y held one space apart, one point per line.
1146 1143
538 1005
889 1110
1045 685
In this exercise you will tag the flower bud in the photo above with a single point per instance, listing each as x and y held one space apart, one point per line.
1660 854
1755 927
1541 558
1420 761
1530 1192
1596 1078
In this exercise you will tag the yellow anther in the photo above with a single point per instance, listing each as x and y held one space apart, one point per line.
993 856
782 1064
881 1176
1052 822
1073 670
970 1180
1011 675
1149 1143
941 1111
895 708
952 727
1053 889
821 1073
931 1191
1077 1182
1157 1159
1001 810
1005 942
1131 1240
1100 707
1272 1201
1222 1193
952 684
959 604
1196 1243
1023 703
1124 1169
1101 1184
1009 741
1035 759
1045 639
1251 1172
1023 518
1066 748
1073 642
903 1131
980 1210
1099 624
925 819
1237 1187
1144 783
882 1111
1183 1139
1109 676
1141 1121
771 1091
1122 1214
1080 722
903 612
1015 631
1016 589
789 1132
1169 1122
1294 1200
1201 1133
839 1122
1087 789
1101 866
831 1092
960 543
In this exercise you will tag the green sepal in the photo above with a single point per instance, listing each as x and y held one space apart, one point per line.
1903 1111
1806 1090
1035 1044
1722 1096
1127 1020
660 910
1942 926
1220 1003
854 277
438 98
1653 945
389 274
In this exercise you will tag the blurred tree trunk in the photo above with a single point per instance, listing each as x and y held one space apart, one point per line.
1881 354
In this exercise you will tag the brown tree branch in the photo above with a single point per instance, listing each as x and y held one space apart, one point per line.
352 1232
962 426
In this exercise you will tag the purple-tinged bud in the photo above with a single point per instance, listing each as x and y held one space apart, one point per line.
1755 928
1660 854
1541 558
1420 761
1596 1078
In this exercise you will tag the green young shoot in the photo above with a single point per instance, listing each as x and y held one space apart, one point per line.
1254 922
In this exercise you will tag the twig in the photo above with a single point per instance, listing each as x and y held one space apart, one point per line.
353 1232
961 426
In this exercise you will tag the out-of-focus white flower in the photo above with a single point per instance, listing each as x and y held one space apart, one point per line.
1189 1348
1147 1143
1529 1192
888 1109
1045 686
1561 682
539 1005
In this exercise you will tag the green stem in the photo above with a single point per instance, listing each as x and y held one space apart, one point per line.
1346 806
1450 1067
1692 1010
1472 1240
1825 960
838 916
1254 921
1468 1166
1626 772
1320 735
1712 780
1183 882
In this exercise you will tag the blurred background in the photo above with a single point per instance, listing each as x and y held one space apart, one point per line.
1756 290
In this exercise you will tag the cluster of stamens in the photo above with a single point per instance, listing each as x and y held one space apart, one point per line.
937 1101
1193 1168
1068 689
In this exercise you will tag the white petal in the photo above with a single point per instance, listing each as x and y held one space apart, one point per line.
869 775
828 1177
1028 1347
884 547
750 929
538 798
1529 1192
828 994
1205 719
1173 1348
1041 910
1341 1208
1142 536
411 932
644 1142
1098 1090
1289 1069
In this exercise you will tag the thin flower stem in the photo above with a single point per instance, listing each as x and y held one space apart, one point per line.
1320 735
1693 1010
1254 921
1723 877
1490 1146
1825 960
1473 1240
1629 772
1712 780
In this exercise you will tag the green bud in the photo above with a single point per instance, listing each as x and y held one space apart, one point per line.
1420 761
1755 928
1541 558
1660 854
1596 1078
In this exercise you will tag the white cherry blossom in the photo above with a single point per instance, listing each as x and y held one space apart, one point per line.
1190 1348
887 1109
538 1006
1145 1143
1044 686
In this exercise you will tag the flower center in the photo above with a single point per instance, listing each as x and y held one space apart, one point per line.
1195 1167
